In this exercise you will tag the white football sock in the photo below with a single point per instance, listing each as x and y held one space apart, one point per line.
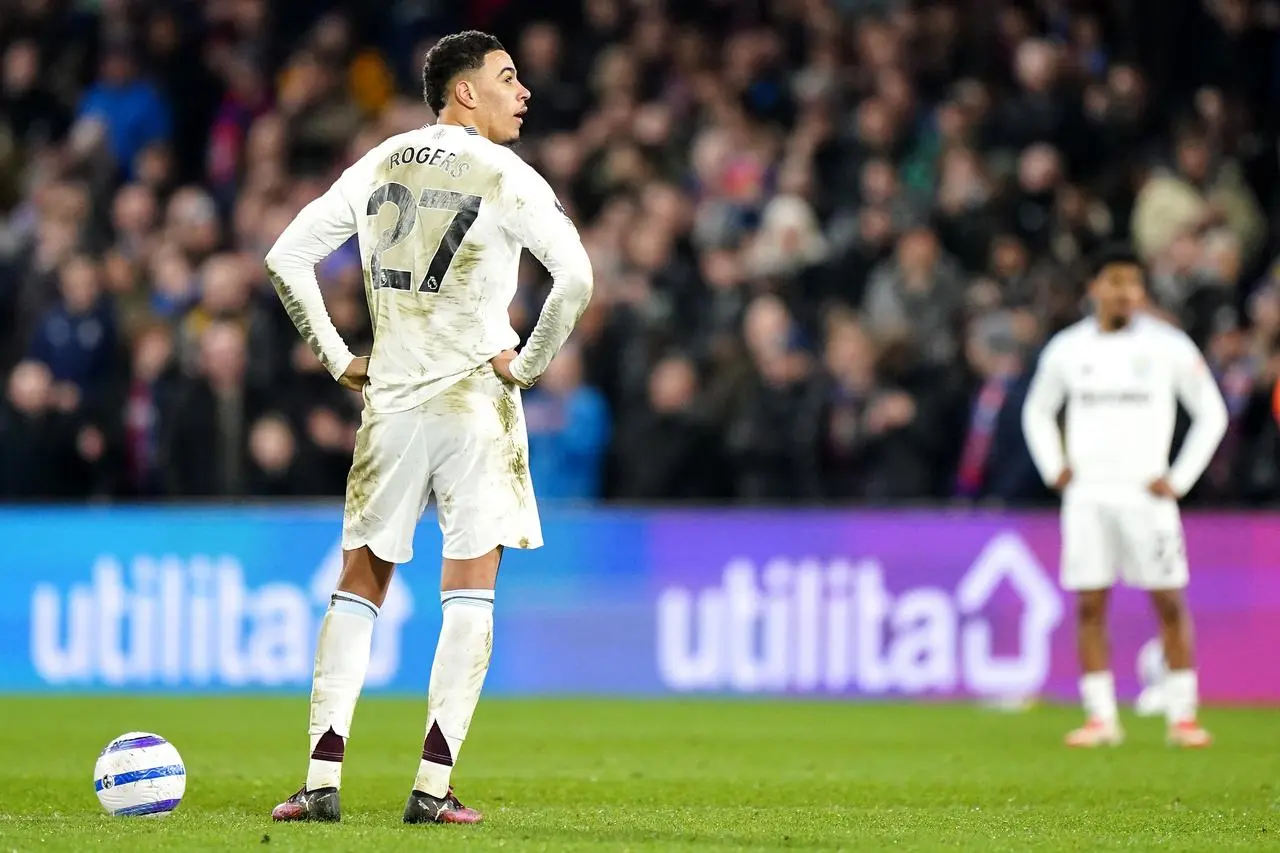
457 676
342 659
1182 695
1098 691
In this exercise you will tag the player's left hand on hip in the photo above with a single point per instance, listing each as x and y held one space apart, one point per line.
1161 489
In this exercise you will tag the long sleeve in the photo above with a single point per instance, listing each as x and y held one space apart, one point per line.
1199 393
320 228
537 220
1040 416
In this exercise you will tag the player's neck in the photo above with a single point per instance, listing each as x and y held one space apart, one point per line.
1113 324
450 117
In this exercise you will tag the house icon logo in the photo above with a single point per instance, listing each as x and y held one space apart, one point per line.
1007 559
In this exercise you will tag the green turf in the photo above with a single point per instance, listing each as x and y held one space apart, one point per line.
592 775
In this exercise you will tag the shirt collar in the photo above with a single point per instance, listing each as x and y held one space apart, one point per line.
1134 322
455 127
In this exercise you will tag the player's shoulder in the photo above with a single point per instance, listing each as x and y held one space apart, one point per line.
516 182
512 166
1066 340
1082 329
1162 333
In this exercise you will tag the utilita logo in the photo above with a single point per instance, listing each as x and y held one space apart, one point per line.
812 626
191 620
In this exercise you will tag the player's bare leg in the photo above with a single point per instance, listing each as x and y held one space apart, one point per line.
1181 682
342 659
1097 687
457 676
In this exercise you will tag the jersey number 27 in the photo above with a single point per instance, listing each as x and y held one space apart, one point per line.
465 209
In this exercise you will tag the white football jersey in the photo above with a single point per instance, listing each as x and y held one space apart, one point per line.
442 214
1121 391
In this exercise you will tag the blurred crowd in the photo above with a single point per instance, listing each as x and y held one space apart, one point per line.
829 236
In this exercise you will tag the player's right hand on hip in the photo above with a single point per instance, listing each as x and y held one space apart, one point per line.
1064 479
356 375
502 366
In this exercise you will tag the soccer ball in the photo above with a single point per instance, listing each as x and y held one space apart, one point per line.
139 773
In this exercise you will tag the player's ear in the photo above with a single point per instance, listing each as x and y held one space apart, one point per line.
465 93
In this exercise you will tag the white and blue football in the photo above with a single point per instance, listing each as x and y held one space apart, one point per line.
139 773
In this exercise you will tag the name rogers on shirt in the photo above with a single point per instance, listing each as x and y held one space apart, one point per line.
446 161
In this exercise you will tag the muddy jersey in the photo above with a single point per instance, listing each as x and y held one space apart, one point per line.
442 215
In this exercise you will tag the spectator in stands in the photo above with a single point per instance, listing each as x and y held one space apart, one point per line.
30 116
323 416
134 212
227 295
1255 474
173 282
1040 175
77 337
40 458
966 214
917 293
141 407
192 224
1193 281
812 227
569 428
769 436
874 443
994 463
321 119
1202 190
541 58
130 108
245 100
1044 110
668 450
278 466
206 450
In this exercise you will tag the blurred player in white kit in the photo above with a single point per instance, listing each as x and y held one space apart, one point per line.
1121 373
442 213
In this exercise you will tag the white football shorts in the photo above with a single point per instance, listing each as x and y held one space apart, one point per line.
1137 540
469 448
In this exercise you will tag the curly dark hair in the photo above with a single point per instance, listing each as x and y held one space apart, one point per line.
451 56
1120 254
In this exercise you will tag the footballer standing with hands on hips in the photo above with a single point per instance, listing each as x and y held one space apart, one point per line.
442 214
1120 374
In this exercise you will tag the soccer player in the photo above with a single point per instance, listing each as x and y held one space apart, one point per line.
1120 373
442 213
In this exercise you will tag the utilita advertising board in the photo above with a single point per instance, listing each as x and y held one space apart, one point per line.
915 605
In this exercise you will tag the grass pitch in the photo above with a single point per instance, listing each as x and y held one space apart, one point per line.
663 775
